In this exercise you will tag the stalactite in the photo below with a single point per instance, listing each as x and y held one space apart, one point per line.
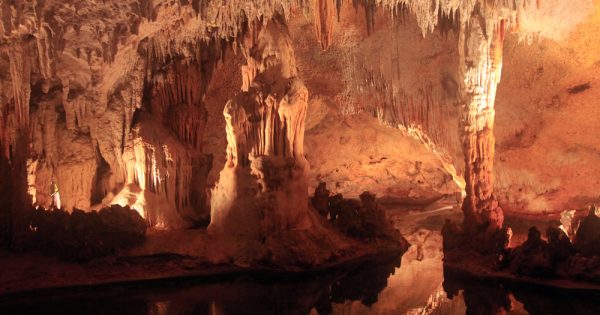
324 20
338 8
185 40
161 160
45 51
177 99
20 71
162 169
370 9
18 154
266 126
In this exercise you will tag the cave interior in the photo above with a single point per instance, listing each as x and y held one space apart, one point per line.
300 156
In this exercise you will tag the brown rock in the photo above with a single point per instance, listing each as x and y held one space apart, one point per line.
587 239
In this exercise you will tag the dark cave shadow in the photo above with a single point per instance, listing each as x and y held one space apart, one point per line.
483 296
249 294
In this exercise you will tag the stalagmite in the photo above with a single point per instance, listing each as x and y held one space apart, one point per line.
152 140
261 199
113 60
265 128
20 71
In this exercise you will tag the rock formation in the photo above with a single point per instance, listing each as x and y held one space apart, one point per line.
81 236
262 194
361 219
108 101
480 65
324 19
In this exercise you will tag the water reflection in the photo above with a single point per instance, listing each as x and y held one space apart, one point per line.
416 283
484 297
478 298
249 295
379 286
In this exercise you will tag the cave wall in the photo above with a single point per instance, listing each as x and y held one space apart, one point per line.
109 99
546 122
115 109
366 126
542 147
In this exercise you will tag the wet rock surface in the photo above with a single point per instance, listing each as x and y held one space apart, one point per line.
482 298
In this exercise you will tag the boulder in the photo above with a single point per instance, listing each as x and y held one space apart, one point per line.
587 239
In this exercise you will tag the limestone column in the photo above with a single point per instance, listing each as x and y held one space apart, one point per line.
480 48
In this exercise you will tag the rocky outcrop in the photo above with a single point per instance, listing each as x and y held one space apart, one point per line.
557 256
108 100
587 238
81 236
552 257
362 219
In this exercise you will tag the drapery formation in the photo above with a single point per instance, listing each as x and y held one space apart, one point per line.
264 179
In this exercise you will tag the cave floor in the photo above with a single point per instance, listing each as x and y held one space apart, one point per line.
414 283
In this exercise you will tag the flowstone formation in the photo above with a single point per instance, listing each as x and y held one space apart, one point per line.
261 200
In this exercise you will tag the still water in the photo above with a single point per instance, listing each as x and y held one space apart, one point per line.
415 283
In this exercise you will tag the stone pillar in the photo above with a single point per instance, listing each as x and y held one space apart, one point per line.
480 48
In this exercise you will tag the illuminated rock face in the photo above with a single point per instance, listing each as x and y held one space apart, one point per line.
107 100
263 187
